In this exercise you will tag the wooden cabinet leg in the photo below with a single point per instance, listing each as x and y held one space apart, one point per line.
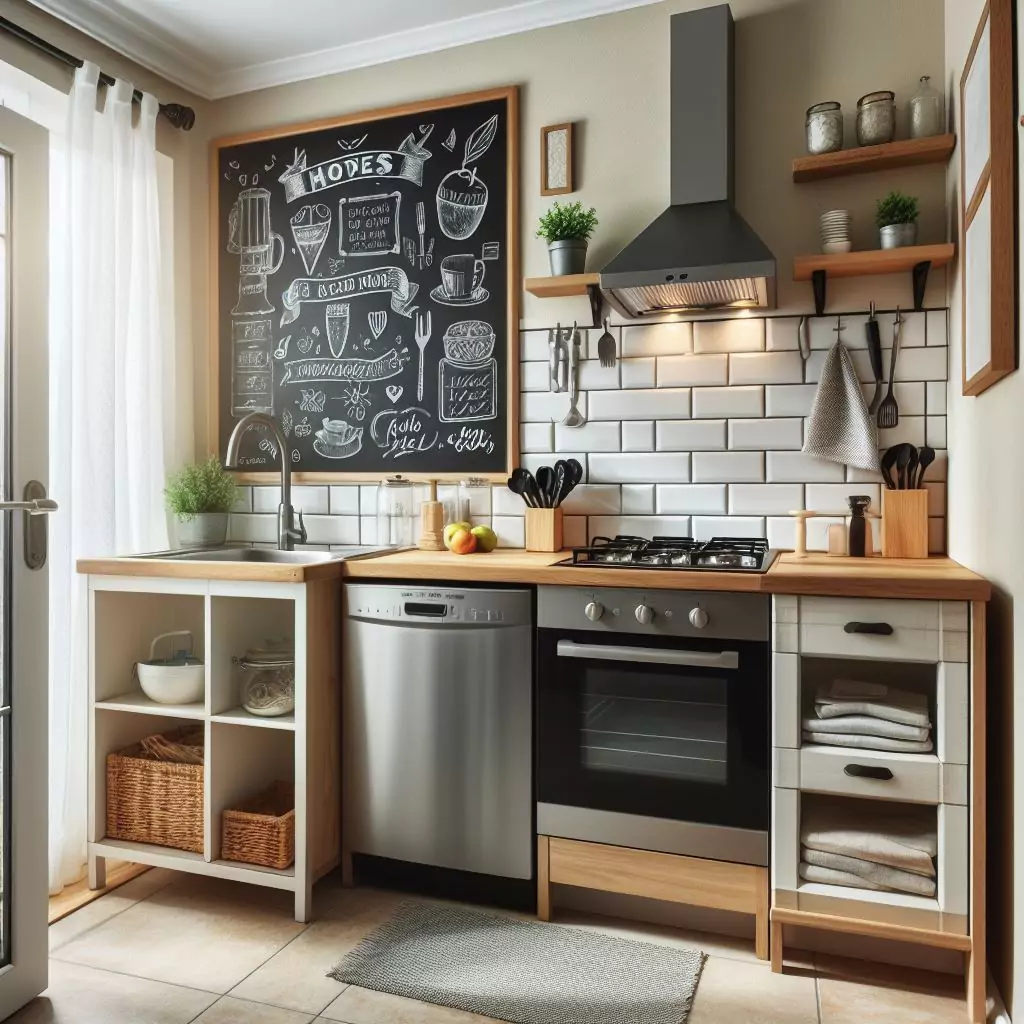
977 994
543 881
97 872
761 916
303 902
776 947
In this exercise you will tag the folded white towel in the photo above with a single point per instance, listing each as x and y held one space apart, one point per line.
865 725
878 874
869 742
899 835
855 697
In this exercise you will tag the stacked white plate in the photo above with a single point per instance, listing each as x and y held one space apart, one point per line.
835 231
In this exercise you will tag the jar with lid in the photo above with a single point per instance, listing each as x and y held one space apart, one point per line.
824 128
267 679
876 118
397 512
927 113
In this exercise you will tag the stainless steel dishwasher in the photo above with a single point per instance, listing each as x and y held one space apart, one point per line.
438 726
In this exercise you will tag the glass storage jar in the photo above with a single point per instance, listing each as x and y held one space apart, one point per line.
927 113
876 118
267 679
397 512
824 128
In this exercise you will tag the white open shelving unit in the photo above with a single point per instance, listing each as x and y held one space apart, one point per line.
244 753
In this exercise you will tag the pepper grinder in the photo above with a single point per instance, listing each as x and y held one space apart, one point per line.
432 522
858 524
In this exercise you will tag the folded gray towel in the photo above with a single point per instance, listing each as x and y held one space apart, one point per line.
866 725
878 874
813 873
832 739
877 700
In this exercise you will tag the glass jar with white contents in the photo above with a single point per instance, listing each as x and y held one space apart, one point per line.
267 679
824 128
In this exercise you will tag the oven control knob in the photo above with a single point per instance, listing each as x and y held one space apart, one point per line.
594 610
644 614
698 618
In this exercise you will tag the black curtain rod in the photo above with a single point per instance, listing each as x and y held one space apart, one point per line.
179 115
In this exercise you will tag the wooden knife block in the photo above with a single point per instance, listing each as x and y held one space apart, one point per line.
543 529
905 524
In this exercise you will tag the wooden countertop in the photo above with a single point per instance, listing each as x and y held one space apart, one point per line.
936 578
189 569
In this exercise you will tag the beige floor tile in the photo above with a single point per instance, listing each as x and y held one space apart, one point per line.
109 905
201 932
240 1011
362 1006
731 992
82 995
296 977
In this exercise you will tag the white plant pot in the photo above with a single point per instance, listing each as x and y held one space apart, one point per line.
204 530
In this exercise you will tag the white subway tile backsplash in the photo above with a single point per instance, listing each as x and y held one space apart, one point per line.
723 403
247 527
534 460
505 502
782 532
704 528
511 531
329 529
243 500
832 498
909 428
921 364
547 406
691 499
534 377
789 399
638 435
638 373
936 498
367 529
936 328
781 333
690 435
479 499
913 332
640 467
308 500
687 371
766 368
574 532
594 500
640 404
591 437
796 467
367 499
533 346
910 396
743 334
936 397
639 526
595 377
762 435
638 499
935 430
537 437
864 476
657 339
765 499
344 501
728 467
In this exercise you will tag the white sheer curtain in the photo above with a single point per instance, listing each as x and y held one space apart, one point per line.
111 405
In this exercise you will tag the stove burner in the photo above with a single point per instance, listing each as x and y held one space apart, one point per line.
731 554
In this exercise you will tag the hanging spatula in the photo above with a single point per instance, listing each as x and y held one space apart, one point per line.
889 410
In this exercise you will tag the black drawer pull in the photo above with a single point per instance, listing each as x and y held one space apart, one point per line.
875 628
868 771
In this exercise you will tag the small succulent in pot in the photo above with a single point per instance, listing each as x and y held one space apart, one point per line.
567 229
200 496
896 217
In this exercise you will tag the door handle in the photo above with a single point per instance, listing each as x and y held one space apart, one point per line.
35 507
650 655
35 504
868 771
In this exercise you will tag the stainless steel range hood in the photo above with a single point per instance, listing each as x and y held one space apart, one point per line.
700 253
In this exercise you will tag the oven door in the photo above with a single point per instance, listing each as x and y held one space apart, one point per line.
654 728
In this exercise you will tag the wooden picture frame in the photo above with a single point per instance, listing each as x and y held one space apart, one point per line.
988 202
511 280
556 159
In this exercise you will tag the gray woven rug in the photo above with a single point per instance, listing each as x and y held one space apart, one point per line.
523 971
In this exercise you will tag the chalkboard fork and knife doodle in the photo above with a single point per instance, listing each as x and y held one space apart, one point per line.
550 486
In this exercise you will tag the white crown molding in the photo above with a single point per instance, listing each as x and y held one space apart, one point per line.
107 22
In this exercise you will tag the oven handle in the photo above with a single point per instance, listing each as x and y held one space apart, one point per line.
650 655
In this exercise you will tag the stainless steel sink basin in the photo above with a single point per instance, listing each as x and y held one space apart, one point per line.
256 555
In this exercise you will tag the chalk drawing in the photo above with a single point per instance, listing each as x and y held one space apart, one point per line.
426 256
268 446
369 225
393 280
312 401
296 455
449 143
303 429
310 227
287 422
282 347
349 144
491 251
338 440
378 320
422 336
270 166
357 400
461 284
337 327
394 392
462 196
405 432
303 371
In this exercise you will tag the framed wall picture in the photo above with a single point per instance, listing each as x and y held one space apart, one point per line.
988 214
556 159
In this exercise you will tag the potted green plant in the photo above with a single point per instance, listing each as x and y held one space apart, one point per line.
567 229
896 217
200 496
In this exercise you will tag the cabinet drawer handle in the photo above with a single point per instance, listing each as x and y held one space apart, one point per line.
875 628
868 771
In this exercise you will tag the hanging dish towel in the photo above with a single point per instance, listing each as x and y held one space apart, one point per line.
840 428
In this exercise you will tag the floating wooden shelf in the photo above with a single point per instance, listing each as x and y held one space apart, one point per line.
569 284
936 149
919 259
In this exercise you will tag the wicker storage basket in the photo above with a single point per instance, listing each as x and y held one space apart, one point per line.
155 791
262 830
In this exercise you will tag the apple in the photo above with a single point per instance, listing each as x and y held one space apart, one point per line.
486 538
462 543
453 528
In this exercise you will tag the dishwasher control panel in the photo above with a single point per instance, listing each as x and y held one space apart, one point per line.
438 606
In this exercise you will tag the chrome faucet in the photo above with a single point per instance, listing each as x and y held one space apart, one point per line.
287 533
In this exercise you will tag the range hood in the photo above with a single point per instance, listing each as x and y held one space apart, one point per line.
700 253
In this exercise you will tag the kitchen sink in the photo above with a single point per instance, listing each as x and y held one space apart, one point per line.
265 555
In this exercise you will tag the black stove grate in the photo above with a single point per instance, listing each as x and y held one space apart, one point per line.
721 554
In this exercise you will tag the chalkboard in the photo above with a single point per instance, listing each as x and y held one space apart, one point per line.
367 291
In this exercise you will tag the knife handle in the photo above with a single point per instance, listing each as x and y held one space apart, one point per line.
875 348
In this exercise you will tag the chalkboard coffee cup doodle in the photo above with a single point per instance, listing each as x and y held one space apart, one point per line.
469 342
338 439
461 275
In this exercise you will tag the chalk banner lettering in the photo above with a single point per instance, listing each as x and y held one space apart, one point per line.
302 371
348 286
405 163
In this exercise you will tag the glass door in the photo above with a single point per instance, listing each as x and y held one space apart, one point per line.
24 274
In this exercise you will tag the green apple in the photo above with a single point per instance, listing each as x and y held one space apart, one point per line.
486 538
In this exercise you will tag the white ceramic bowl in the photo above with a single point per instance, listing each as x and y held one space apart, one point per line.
172 684
832 248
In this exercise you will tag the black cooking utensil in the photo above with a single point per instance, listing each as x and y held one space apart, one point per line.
927 457
915 459
888 461
875 354
889 410
573 475
903 454
519 483
560 469
545 477
606 347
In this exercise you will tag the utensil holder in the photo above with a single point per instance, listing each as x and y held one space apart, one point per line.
543 529
905 524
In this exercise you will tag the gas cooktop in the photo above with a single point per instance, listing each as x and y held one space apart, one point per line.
720 554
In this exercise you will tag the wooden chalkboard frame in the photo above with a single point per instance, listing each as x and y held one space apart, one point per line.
510 94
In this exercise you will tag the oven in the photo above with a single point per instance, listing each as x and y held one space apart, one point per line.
653 720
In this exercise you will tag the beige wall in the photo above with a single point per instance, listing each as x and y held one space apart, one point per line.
986 495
